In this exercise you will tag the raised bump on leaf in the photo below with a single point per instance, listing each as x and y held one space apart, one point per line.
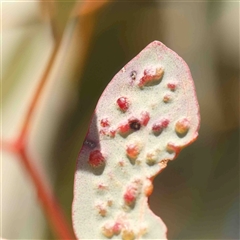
123 104
96 159
163 118
105 122
150 76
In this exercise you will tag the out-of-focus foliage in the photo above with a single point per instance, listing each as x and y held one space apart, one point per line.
197 196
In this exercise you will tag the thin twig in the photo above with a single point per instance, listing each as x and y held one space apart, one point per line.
49 203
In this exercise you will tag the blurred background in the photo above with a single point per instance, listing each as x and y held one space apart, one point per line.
86 44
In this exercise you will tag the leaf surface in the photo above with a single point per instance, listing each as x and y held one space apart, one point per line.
145 116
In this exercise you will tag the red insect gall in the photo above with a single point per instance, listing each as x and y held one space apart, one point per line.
159 126
133 150
130 195
104 122
182 126
103 132
150 75
112 133
123 103
171 86
96 159
145 118
167 98
165 123
117 227
124 128
102 186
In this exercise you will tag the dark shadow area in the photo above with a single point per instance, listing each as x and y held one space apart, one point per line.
157 133
99 170
181 135
91 143
132 160
199 189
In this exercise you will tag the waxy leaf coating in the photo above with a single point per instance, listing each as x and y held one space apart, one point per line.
145 116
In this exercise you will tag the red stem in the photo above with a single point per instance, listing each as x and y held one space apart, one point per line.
39 91
47 200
